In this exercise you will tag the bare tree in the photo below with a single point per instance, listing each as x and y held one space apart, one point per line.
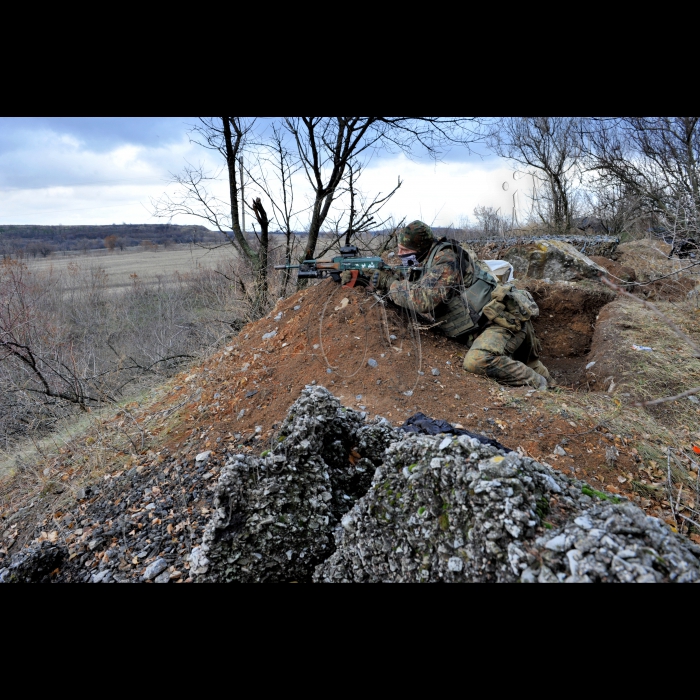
228 136
328 146
613 207
331 152
551 148
490 220
275 166
656 159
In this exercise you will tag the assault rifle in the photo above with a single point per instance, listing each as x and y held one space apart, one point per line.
349 259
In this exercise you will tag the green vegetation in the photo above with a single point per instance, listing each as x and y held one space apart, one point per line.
588 491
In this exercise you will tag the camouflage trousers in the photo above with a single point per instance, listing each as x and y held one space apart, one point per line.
492 354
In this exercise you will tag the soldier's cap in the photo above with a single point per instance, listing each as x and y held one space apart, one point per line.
416 236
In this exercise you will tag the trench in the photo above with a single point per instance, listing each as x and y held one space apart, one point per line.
565 327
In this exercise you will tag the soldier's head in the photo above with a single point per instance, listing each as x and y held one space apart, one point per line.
416 239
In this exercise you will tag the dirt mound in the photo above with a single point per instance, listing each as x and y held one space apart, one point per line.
154 503
619 273
566 324
634 353
658 276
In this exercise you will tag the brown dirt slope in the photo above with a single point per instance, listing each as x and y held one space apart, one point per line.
366 354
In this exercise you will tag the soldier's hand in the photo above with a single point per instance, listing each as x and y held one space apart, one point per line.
386 277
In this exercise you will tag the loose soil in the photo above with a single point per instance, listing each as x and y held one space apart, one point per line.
619 273
247 388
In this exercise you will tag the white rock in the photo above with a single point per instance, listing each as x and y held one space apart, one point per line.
199 564
557 544
445 443
202 456
584 522
455 564
157 567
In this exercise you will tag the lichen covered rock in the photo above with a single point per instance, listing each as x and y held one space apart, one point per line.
451 509
274 515
551 260
338 499
610 543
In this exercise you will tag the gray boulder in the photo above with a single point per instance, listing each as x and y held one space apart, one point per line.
275 514
610 543
551 260
452 509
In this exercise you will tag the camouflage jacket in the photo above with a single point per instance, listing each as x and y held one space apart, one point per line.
437 285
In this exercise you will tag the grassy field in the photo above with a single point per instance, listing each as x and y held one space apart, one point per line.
120 266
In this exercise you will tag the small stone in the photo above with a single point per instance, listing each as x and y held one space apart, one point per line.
269 335
446 442
557 544
241 413
559 450
457 396
392 337
693 399
408 393
329 371
371 362
203 456
151 506
278 317
297 307
455 564
435 372
358 397
101 577
157 567
163 578
590 364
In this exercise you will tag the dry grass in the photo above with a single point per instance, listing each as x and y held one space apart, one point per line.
87 449
650 260
124 267
662 436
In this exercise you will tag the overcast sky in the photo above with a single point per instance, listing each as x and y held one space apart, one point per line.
107 170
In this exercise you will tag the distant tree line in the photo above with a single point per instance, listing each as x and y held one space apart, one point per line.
32 241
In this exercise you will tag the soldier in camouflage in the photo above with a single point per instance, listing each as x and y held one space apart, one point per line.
457 291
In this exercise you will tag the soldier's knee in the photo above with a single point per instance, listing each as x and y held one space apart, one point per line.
477 361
